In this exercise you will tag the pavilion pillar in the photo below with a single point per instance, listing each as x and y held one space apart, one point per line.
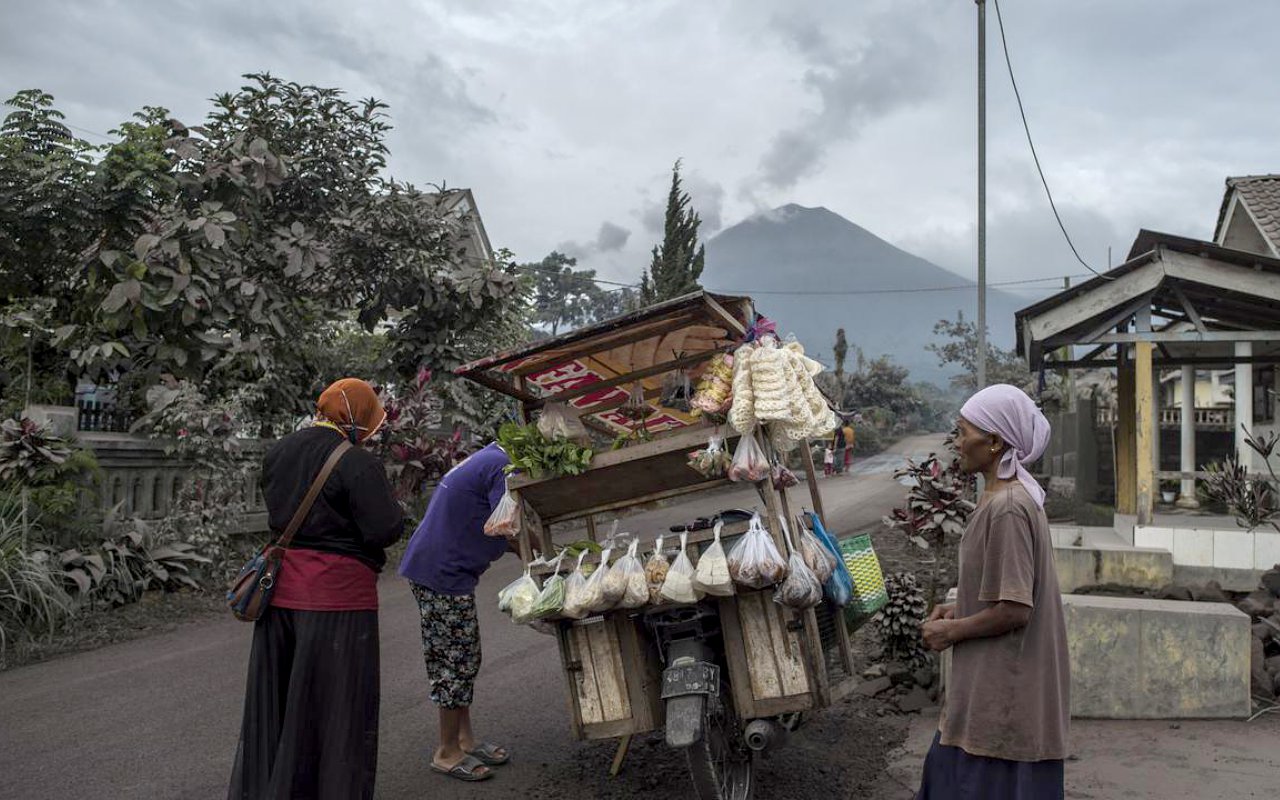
1187 497
1145 413
1244 405
1125 438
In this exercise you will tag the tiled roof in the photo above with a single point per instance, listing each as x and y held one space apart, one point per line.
1261 195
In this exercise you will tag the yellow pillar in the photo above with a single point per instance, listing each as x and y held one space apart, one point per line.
1126 438
1145 407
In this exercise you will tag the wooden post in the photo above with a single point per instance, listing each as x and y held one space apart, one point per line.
1126 437
811 474
1144 408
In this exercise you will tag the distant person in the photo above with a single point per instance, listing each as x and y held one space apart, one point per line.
828 461
1003 730
850 437
310 726
839 443
443 563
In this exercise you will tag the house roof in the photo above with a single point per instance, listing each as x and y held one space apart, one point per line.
1261 196
1228 290
462 203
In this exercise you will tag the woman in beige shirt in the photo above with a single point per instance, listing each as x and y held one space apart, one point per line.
1003 732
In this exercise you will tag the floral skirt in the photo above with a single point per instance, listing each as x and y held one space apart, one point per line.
450 645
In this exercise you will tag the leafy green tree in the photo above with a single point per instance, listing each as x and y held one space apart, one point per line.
960 349
677 262
232 254
563 296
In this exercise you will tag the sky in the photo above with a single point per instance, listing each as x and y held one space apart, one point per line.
566 116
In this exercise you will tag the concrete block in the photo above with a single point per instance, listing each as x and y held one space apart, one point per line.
1233 580
1161 538
1266 550
1126 566
1193 547
1135 658
1233 549
1104 681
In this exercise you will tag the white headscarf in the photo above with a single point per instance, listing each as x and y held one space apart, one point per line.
1007 411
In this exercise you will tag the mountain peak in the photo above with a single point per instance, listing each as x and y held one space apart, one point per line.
785 213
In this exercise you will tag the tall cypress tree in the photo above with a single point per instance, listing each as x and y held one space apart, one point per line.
678 261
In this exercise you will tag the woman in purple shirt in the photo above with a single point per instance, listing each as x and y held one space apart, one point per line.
444 561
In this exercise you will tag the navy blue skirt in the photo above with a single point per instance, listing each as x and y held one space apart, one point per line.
952 774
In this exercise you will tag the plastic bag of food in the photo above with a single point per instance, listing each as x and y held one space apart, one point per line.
801 589
783 478
839 587
559 422
749 461
505 519
816 557
754 561
630 573
678 587
575 592
713 460
524 594
551 599
715 388
712 575
636 408
677 390
596 599
655 573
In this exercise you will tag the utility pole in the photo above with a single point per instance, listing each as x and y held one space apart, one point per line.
982 195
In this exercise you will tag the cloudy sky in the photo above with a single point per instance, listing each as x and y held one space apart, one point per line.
565 116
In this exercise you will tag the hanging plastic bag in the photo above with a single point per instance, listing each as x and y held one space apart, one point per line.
551 599
629 572
636 409
713 460
596 600
783 478
505 519
712 575
575 592
559 422
655 573
678 587
523 596
749 461
677 390
839 587
816 557
754 561
715 389
801 589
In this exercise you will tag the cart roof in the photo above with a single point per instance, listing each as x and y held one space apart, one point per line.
595 368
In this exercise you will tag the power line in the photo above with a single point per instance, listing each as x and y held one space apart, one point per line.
1022 112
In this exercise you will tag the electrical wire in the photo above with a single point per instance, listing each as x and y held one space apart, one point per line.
1004 42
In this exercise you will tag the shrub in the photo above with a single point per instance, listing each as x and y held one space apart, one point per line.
32 600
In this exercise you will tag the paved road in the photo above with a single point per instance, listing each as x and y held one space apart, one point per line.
158 717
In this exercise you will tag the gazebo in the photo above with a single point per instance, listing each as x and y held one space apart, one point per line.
1176 303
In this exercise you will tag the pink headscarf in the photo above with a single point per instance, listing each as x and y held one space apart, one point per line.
1007 410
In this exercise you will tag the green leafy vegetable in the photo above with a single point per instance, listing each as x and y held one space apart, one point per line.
540 457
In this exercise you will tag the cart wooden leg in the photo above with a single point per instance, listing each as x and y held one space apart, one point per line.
619 757
815 492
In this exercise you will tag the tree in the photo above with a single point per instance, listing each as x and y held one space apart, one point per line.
562 295
231 254
841 353
961 349
678 261
880 391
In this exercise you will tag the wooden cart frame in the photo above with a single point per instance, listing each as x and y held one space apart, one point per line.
779 660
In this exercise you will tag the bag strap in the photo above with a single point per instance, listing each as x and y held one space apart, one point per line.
300 515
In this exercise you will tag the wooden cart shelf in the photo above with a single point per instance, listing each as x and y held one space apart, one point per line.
620 478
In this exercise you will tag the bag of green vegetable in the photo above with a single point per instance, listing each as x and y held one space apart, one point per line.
712 575
678 587
522 597
551 599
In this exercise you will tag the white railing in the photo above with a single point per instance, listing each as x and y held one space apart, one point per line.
1205 418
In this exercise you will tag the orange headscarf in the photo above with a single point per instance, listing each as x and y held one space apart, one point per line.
352 406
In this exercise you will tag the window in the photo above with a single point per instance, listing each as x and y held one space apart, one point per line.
1264 395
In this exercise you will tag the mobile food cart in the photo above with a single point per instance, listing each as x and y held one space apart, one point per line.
724 674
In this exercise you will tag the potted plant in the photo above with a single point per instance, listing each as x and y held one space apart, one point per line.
1169 491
